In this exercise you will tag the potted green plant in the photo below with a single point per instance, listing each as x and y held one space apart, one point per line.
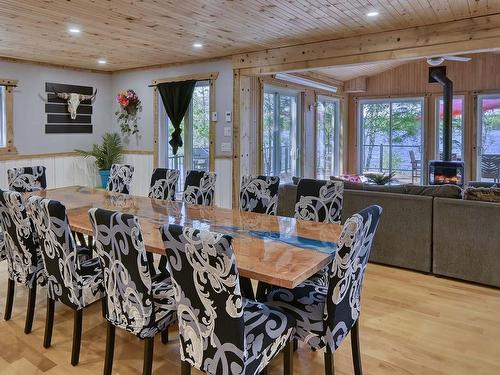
109 152
380 178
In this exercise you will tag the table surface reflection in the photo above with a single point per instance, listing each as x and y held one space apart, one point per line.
277 250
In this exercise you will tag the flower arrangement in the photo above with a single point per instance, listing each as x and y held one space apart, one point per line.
130 106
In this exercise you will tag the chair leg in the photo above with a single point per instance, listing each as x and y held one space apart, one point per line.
288 358
30 312
149 344
356 352
104 307
164 336
77 336
110 349
246 288
329 362
49 323
185 368
11 285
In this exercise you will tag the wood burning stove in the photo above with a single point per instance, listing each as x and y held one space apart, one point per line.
445 171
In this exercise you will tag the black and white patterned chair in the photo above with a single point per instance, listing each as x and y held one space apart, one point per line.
326 314
26 179
220 331
72 278
259 194
137 300
319 200
163 183
199 187
120 178
22 250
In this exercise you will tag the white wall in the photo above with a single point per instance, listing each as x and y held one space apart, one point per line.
140 79
29 108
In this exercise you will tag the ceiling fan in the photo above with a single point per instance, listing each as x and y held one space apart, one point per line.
438 60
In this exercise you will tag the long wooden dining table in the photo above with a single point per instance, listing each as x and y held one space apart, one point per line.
275 250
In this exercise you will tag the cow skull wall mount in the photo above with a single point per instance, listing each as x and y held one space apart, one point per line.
74 100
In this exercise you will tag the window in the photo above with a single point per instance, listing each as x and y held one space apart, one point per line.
327 138
391 137
281 133
194 153
3 118
489 138
457 150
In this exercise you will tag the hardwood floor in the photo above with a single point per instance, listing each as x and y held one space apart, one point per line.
410 324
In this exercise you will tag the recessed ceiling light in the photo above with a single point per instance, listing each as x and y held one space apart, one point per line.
74 30
101 61
197 45
372 14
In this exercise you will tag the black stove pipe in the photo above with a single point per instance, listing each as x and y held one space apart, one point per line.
440 76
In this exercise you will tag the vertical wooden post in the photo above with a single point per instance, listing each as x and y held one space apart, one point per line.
155 127
236 137
212 128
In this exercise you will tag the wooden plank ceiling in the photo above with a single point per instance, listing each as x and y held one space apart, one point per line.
347 72
133 33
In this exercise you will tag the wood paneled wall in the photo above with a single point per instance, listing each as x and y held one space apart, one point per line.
480 75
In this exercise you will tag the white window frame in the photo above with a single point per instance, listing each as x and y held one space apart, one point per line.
436 124
390 101
479 115
336 135
271 89
187 130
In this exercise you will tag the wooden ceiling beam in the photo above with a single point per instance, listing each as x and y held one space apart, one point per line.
320 78
477 34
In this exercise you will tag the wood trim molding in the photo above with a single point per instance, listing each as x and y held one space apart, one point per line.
9 118
4 157
8 82
468 35
212 131
189 77
155 127
236 137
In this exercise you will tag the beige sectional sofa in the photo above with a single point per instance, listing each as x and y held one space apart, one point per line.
428 229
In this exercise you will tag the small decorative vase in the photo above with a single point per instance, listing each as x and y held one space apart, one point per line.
104 173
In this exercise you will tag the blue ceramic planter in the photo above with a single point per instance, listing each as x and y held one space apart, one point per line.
104 173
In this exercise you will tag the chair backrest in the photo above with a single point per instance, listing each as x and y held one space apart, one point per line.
163 182
319 200
259 194
26 179
199 187
21 244
347 273
59 251
126 271
208 298
120 178
490 166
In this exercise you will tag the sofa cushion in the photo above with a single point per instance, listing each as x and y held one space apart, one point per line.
482 194
441 191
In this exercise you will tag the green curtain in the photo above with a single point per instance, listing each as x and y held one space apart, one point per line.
176 97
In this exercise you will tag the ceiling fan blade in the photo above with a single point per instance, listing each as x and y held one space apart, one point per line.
457 58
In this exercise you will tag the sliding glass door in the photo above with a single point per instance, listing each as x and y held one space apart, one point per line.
194 154
391 137
281 133
489 138
327 137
